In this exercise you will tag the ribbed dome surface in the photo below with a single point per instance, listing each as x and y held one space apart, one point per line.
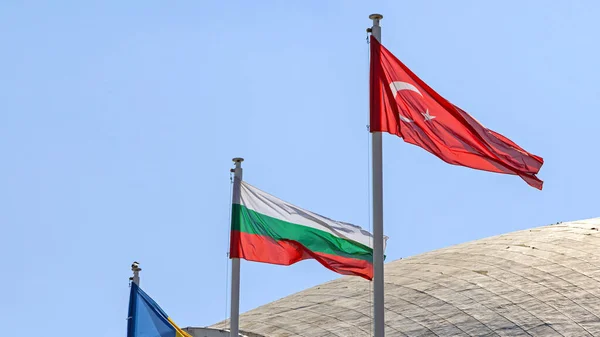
538 282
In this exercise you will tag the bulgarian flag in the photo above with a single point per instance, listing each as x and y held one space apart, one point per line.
270 230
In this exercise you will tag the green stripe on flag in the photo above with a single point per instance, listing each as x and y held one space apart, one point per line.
252 222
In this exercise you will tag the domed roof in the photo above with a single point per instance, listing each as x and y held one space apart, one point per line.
543 281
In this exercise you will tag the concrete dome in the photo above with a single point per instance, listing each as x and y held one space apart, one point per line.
540 282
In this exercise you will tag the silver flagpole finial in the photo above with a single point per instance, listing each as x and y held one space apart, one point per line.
135 267
375 16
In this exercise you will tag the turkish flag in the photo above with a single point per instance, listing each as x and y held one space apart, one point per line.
403 105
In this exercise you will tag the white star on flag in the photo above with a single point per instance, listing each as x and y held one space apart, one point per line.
427 116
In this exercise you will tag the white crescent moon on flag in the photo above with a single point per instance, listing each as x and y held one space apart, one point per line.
397 86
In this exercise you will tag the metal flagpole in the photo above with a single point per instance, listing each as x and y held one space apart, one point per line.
234 320
377 172
135 267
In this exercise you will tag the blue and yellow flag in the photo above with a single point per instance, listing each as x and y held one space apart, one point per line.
147 319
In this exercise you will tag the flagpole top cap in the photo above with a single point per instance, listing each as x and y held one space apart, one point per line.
375 16
238 160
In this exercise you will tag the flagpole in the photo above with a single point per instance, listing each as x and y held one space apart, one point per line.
377 186
135 267
234 320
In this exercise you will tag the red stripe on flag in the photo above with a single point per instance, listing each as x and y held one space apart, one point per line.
258 248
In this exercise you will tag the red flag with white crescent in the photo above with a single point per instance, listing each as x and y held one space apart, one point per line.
403 105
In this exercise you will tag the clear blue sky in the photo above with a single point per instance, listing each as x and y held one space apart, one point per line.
118 122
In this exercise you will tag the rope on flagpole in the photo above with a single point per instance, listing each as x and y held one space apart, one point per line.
369 182
228 244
